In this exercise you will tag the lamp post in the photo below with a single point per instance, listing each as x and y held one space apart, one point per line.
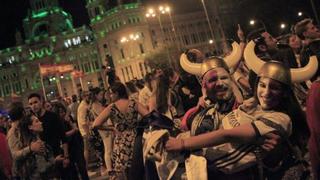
253 22
151 14
167 9
315 12
209 23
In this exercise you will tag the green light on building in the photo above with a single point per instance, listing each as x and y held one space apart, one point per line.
40 14
23 68
64 13
48 51
36 38
131 6
102 34
58 58
53 38
40 53
19 49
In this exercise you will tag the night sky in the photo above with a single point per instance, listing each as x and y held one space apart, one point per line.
272 12
12 12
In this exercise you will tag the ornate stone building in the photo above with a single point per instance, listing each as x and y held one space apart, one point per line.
121 36
50 38
127 34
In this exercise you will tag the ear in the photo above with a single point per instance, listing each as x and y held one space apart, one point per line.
30 127
262 47
304 34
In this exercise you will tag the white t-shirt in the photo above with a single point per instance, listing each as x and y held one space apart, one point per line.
234 157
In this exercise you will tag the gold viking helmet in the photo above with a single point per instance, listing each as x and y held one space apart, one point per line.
276 70
201 68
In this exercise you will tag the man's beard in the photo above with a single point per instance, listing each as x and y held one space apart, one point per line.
220 94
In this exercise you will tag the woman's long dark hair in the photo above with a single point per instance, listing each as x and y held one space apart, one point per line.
120 89
26 134
290 106
95 91
162 93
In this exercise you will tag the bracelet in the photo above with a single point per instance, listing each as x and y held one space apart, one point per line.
182 144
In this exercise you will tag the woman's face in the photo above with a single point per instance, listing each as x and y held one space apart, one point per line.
36 125
100 96
295 42
269 93
62 113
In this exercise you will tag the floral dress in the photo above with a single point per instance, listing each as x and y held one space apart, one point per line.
125 124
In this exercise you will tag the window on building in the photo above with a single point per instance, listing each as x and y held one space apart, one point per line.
105 45
194 38
141 69
123 75
128 75
86 67
131 71
155 44
122 54
203 36
141 48
153 32
96 65
186 40
97 11
27 83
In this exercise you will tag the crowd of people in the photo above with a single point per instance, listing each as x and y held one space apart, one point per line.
251 114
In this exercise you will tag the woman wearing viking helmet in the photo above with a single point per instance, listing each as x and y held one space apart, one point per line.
234 145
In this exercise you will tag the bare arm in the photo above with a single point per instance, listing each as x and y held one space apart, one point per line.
142 110
103 116
17 151
243 133
152 103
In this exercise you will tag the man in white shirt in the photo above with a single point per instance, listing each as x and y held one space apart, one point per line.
83 122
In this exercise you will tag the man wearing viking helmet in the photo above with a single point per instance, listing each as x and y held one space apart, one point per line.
235 147
220 94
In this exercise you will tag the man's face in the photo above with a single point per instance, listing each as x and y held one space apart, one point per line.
312 31
35 104
271 42
217 84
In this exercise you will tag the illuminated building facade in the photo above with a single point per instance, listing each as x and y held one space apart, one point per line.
127 35
50 38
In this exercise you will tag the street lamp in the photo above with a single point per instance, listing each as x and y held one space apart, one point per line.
282 25
151 14
210 41
253 22
166 9
300 13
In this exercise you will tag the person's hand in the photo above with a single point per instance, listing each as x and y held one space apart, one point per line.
240 34
249 104
270 142
59 158
37 146
174 144
65 162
